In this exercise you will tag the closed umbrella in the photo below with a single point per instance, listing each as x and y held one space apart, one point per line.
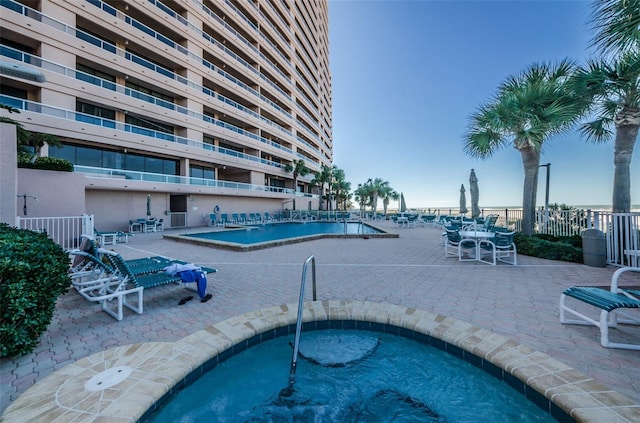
148 205
475 195
403 205
463 200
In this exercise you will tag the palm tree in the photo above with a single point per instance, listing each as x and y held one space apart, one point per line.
527 110
378 186
341 188
613 86
615 91
387 195
363 194
299 168
324 177
21 133
616 24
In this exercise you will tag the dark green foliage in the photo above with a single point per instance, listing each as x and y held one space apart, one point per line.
44 163
550 247
33 274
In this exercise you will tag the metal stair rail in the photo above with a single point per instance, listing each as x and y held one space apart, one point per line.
296 342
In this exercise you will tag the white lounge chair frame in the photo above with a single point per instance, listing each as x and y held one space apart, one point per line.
610 303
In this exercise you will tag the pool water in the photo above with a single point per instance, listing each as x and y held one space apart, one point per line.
398 380
278 231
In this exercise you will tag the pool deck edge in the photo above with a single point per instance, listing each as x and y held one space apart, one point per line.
158 367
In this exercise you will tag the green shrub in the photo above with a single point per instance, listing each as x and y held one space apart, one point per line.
550 247
44 163
33 274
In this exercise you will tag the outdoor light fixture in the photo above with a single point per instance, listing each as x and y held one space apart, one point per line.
24 197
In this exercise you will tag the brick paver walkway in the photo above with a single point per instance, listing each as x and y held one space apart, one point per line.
520 302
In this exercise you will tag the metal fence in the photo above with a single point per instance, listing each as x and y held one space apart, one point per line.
622 230
65 231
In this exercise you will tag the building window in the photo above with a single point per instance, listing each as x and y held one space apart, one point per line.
202 172
109 159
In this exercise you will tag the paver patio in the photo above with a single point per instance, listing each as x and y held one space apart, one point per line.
519 302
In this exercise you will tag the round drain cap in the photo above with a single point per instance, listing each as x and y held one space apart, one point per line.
108 378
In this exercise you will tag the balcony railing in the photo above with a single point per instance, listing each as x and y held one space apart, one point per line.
100 172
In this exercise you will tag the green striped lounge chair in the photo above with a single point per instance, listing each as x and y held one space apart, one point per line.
614 304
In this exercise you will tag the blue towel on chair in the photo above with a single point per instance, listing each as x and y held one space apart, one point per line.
196 276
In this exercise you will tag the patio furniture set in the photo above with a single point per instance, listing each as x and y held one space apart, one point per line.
146 225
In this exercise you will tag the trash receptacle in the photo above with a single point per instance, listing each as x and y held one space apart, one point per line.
594 248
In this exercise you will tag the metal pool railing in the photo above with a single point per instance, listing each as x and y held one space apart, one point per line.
296 341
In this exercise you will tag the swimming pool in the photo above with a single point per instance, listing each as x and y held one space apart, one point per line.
274 234
349 376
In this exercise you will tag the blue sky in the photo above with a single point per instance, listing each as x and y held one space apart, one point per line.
408 74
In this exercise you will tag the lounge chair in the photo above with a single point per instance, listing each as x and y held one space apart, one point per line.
224 219
136 283
112 290
235 218
243 219
612 303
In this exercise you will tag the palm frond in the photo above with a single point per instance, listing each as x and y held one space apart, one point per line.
597 131
615 24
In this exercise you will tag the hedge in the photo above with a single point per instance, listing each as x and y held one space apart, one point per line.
33 274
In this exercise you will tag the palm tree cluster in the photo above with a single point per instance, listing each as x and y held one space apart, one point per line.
330 179
370 192
548 99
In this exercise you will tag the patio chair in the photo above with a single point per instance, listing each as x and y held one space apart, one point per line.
150 225
135 226
224 219
500 248
235 218
613 304
258 219
110 238
243 219
159 225
455 246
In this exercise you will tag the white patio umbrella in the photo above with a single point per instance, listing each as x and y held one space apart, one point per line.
463 200
475 195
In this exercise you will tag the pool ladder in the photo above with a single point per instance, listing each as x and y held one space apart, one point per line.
296 341
360 227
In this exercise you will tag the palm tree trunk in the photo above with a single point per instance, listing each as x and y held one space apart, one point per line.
626 134
531 163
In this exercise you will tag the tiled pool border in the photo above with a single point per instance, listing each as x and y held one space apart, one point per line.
159 368
187 238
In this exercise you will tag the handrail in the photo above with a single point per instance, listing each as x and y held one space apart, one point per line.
296 341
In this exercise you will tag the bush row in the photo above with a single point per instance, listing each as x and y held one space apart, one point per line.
33 274
44 163
550 247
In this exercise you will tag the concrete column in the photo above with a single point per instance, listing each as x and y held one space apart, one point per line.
8 173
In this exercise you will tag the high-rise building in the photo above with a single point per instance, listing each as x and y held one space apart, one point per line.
197 105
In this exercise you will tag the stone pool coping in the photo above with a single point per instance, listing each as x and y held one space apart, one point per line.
160 367
187 238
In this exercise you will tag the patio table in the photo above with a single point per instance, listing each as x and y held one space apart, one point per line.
476 236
